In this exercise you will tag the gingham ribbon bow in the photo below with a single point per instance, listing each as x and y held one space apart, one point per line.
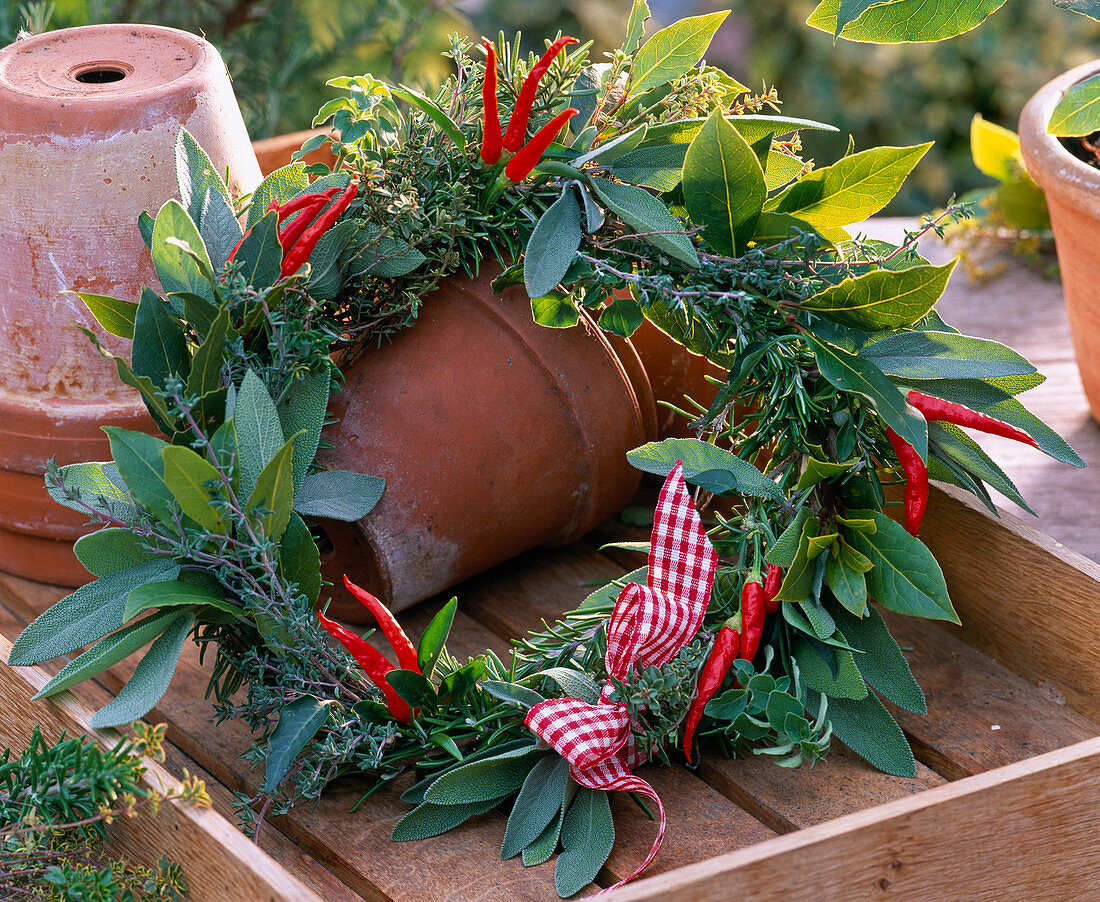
649 626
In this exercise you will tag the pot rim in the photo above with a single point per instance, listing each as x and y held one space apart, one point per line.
1057 171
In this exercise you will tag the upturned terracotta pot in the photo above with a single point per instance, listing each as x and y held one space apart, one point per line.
88 121
494 435
674 372
1072 189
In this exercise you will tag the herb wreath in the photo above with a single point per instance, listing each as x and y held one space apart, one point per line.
651 172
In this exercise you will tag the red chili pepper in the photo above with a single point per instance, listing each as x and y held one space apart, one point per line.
293 230
722 655
916 480
528 156
491 136
391 629
375 664
517 124
752 617
939 410
296 204
299 254
772 582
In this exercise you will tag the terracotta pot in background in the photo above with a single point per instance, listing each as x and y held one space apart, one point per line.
673 373
88 122
494 435
1072 189
274 153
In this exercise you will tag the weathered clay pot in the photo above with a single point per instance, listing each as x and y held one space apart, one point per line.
494 435
1072 189
88 121
674 372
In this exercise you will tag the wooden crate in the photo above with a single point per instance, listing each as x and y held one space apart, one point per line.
1003 804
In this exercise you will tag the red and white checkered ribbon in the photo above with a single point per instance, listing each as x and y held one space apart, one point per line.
649 626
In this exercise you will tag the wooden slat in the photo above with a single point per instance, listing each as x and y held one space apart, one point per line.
980 714
219 863
1024 831
1024 599
789 800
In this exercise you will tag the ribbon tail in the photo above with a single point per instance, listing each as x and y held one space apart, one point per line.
640 786
612 774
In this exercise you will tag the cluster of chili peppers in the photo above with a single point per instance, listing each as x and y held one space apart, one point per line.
375 664
494 142
937 410
300 226
738 637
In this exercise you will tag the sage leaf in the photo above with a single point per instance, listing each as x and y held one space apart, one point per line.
723 185
339 495
111 549
831 671
539 851
701 457
299 722
867 728
218 226
512 692
882 663
108 651
538 802
259 431
195 174
603 599
672 51
428 819
301 409
652 219
587 835
486 779
96 485
905 577
278 187
573 683
150 678
552 246
944 355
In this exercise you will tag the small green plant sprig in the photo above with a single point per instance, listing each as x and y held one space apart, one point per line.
56 804
669 196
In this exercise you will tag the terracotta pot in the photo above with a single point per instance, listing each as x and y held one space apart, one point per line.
1072 189
674 372
494 435
88 121
274 153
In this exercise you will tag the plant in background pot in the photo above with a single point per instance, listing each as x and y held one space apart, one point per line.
648 187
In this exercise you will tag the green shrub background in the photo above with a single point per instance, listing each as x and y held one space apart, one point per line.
279 53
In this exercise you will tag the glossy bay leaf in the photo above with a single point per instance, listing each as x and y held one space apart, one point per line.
194 483
271 500
1078 112
850 190
113 314
883 299
140 460
299 722
701 457
176 269
672 51
900 21
724 188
